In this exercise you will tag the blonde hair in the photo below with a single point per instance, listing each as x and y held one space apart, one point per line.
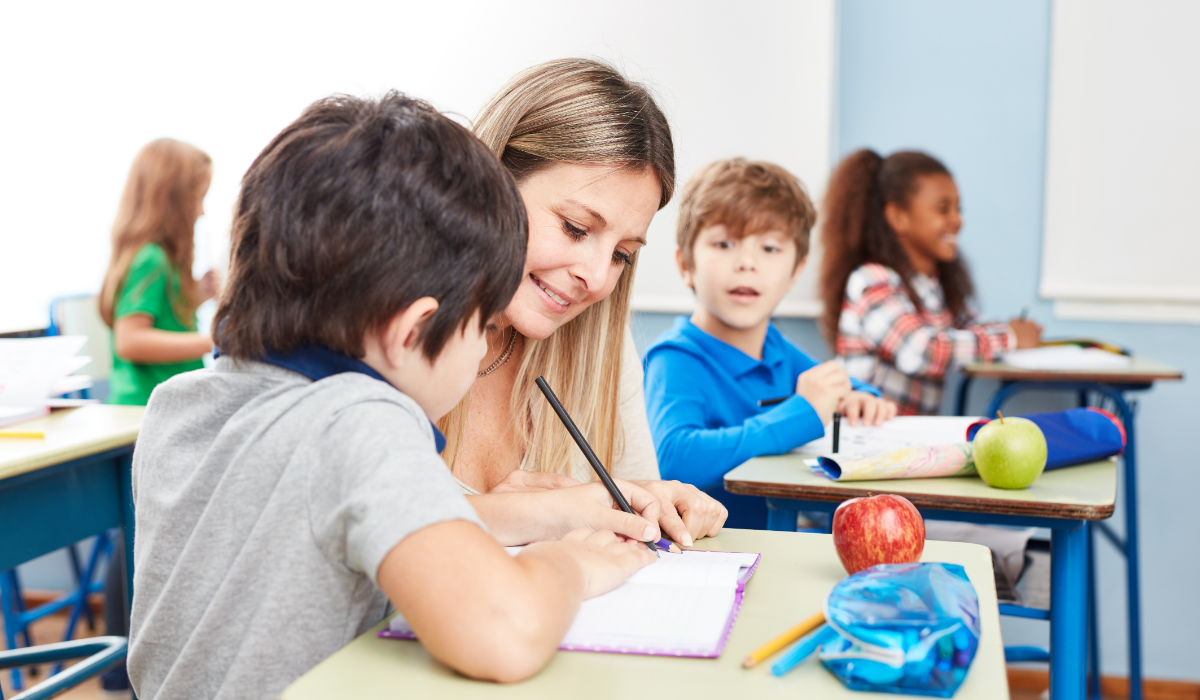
160 205
575 111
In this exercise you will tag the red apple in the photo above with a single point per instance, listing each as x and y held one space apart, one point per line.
884 529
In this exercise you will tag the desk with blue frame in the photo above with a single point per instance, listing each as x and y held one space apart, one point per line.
1064 500
69 485
794 576
1105 388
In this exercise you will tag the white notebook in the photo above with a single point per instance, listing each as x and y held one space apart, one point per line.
682 605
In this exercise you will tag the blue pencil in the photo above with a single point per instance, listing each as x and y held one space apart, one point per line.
803 649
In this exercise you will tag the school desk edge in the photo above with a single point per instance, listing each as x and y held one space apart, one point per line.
787 476
795 574
70 433
1140 371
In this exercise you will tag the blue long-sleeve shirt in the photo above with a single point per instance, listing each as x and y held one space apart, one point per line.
702 399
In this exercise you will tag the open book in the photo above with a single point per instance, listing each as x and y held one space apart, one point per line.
682 605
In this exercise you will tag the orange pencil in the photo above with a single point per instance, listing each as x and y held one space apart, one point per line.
761 653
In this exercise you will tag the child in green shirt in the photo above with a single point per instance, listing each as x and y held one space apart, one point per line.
149 297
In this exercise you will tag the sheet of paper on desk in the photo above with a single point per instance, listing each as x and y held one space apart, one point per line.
1066 357
682 605
900 432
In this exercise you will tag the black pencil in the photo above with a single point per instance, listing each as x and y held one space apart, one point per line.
592 458
837 428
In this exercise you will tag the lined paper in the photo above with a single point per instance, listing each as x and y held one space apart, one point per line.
681 605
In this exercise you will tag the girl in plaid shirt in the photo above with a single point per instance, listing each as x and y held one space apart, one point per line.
897 294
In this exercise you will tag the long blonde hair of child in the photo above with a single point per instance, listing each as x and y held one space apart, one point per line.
575 111
160 205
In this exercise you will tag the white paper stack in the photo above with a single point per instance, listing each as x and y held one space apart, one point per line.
34 370
1066 357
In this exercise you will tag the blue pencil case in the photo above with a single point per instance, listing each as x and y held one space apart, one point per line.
911 629
1075 436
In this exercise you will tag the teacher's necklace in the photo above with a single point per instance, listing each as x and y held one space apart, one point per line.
512 340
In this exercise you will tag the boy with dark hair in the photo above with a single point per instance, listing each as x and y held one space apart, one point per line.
285 496
743 238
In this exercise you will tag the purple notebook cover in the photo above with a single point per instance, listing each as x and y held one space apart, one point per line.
387 633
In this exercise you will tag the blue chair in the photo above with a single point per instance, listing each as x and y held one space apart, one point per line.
101 652
17 619
79 314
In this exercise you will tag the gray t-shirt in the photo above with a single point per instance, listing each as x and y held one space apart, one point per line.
265 503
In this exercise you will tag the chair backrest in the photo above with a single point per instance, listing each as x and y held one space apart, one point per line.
80 315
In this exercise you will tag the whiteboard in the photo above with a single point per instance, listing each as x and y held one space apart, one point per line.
86 87
763 89
1122 236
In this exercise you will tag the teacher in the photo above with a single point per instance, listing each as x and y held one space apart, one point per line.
593 158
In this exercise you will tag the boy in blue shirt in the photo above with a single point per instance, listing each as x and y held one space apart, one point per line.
743 237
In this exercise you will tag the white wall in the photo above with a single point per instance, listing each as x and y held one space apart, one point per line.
1122 237
86 85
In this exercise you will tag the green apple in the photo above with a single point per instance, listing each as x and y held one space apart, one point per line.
1010 453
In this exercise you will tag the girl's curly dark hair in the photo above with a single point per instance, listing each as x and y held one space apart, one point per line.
856 232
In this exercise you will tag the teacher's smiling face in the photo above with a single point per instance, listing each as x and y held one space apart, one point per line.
585 223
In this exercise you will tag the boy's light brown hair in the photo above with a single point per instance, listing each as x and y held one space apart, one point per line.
748 198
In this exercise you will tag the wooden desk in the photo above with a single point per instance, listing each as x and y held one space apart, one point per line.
1113 385
72 484
797 571
1064 500
70 433
1085 492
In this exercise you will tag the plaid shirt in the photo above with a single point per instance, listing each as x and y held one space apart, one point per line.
883 340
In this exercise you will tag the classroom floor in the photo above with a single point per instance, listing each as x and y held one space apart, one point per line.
50 629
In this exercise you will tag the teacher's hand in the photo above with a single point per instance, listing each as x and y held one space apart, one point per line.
530 515
686 513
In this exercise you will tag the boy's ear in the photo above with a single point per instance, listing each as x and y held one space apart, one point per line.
896 217
683 268
401 334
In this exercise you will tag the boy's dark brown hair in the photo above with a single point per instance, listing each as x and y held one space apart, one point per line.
856 231
748 198
356 210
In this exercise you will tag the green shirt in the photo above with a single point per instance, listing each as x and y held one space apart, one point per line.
150 284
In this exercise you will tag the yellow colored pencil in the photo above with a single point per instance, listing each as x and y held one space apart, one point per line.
761 653
35 435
